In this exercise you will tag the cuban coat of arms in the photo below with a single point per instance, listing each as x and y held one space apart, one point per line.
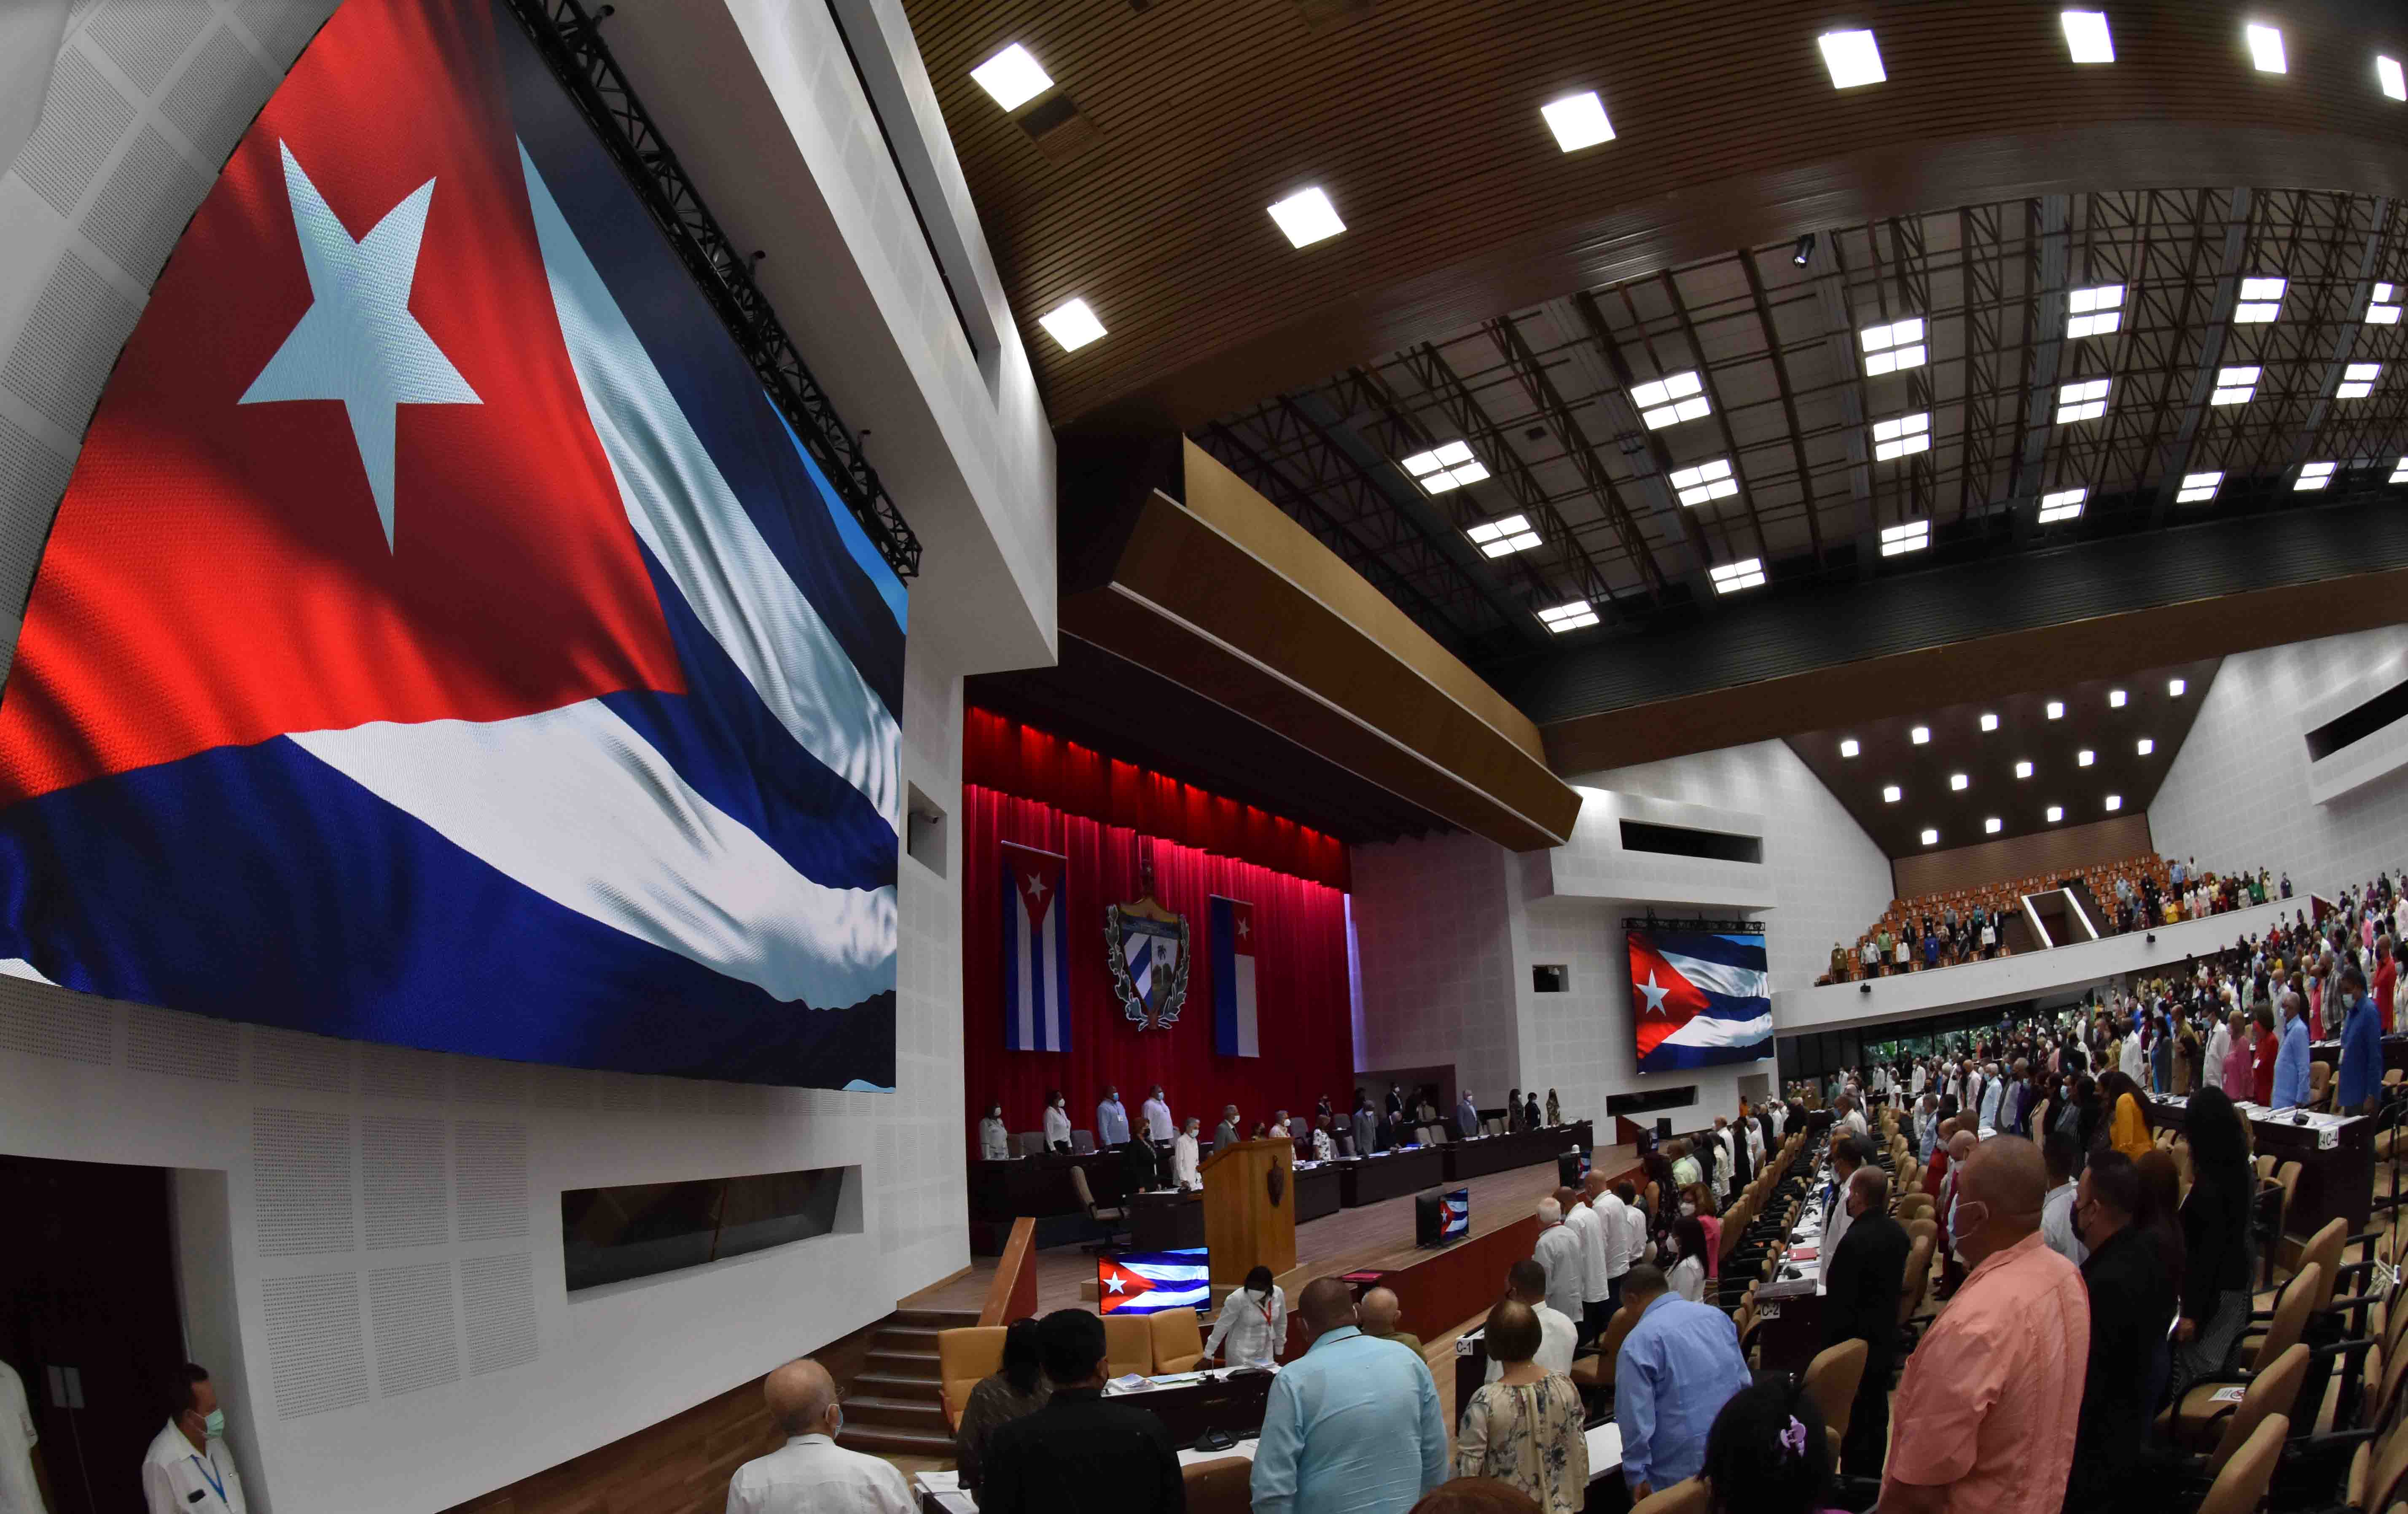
1147 947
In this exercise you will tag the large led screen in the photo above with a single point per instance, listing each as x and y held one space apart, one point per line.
1698 998
443 640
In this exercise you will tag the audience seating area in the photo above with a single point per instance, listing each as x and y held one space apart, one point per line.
1149 1345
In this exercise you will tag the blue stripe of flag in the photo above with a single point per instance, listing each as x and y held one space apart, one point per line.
1707 947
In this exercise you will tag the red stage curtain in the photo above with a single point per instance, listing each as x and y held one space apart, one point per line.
1003 754
1300 989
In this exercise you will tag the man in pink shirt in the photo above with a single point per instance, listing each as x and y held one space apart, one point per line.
1984 1419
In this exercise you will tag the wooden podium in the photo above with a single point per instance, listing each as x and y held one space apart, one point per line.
1249 1209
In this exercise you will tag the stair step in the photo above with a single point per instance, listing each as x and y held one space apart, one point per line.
898 1413
905 1363
935 1319
899 1385
905 1338
875 1438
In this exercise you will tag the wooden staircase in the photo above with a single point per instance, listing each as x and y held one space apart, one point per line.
897 1404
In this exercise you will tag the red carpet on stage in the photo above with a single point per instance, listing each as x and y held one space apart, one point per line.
1299 942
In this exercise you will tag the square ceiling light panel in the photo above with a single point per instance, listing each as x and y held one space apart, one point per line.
1672 399
1578 120
2388 74
2198 488
1854 59
1898 345
2023 768
2262 300
1568 617
2234 386
1911 537
2383 305
2398 472
1706 481
1503 537
1072 324
2064 505
2055 813
2116 698
1902 436
1850 747
2357 380
2314 476
1447 467
1747 573
2083 401
2174 688
1306 216
2094 311
2086 37
2266 50
1011 77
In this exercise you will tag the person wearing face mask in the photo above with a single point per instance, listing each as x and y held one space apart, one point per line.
1155 1112
1847 1156
1081 1451
2291 1055
1985 1416
1252 1323
2130 1283
1057 1123
189 1469
1861 1284
2361 1047
1184 1156
995 1142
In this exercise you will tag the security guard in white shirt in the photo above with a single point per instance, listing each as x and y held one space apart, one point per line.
188 1468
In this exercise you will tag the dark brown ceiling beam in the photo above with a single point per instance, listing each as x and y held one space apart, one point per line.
2210 354
1787 391
1652 460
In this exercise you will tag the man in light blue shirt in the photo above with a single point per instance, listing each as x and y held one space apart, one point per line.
1111 1120
1352 1426
1991 1088
1679 1366
2291 1059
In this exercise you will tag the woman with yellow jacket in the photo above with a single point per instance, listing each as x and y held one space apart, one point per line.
2127 1120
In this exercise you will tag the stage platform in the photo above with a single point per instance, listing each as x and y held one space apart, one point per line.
1374 1237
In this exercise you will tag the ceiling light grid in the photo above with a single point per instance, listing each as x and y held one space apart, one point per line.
1072 324
1901 435
1578 120
2086 400
1914 536
2064 505
2314 476
1898 344
1572 615
1504 536
1854 59
2094 311
2086 36
1709 481
1011 77
1447 467
2236 385
1730 578
2262 300
1306 216
1672 399
2198 488
2357 380
2383 305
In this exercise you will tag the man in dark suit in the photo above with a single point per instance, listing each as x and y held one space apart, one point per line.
1862 1279
1082 1454
2131 1305
1142 1163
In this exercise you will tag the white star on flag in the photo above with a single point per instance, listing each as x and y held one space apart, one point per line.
1655 995
1036 886
1244 928
357 342
1116 1285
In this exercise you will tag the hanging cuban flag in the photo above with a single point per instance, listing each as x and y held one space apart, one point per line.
1036 950
1698 998
1234 1033
1148 1283
1456 1215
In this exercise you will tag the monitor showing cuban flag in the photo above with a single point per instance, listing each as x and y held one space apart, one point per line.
1698 998
1148 1283
444 640
1456 1223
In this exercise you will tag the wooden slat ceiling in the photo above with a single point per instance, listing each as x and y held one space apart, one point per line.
1420 118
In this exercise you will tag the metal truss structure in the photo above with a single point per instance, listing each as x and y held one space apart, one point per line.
1543 398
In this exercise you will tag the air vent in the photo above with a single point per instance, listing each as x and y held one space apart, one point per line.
492 1180
301 1181
497 1309
1060 130
402 1180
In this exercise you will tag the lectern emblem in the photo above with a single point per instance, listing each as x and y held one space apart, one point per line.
1276 1181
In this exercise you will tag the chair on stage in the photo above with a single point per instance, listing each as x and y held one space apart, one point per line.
1128 1344
1111 1221
1028 1143
964 1356
1222 1486
1082 1142
1178 1341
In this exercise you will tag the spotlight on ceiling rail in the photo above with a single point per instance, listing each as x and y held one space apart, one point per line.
1805 249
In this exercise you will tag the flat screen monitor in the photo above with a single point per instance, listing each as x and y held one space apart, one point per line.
1149 1282
1698 998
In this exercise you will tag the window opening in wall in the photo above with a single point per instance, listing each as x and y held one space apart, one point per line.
1680 841
2356 725
1654 1098
1551 978
642 1230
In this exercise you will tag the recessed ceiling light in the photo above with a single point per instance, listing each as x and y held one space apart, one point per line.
2115 801
1706 481
1849 748
2145 746
2085 36
2063 505
2386 73
1989 722
2023 768
1306 216
2057 709
1901 435
1959 782
1992 825
2233 386
1012 78
1890 794
2383 307
1568 617
2174 688
1920 735
1913 536
1891 348
1578 120
2357 380
2314 476
2398 472
2266 50
2055 813
1930 838
1853 58
1503 537
2085 757
1072 324
2116 698
2095 310
2198 488
1747 573
1447 467
2083 401
1672 399
2262 300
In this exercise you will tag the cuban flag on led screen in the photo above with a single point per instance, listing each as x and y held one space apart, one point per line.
443 639
1036 950
1148 1283
1234 1031
1698 998
1454 1215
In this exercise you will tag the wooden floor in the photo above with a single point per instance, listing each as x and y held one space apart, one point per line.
1375 1235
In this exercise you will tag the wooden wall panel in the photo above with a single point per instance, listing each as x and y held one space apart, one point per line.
2044 852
